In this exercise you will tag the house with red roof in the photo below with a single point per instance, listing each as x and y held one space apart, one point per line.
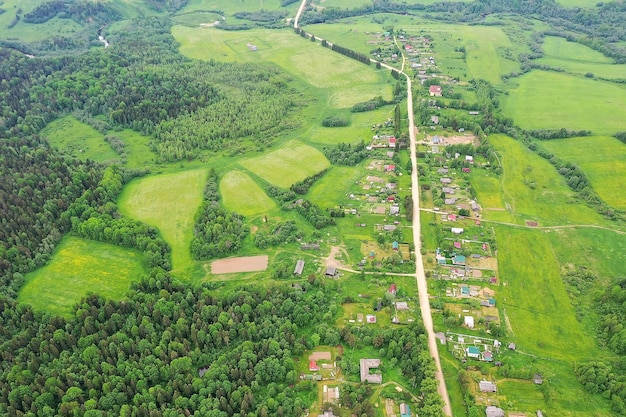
392 289
392 142
435 91
313 366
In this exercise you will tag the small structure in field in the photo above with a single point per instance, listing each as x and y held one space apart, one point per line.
487 386
493 411
435 91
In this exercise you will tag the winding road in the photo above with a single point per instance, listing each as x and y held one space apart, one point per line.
420 275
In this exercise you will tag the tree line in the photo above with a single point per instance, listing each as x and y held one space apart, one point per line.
217 231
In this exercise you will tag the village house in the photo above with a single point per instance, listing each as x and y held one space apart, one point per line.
299 267
435 91
366 365
493 411
405 410
487 386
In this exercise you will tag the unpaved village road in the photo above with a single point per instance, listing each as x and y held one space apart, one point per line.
420 276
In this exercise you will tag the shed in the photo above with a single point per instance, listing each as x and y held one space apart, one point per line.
394 209
331 271
445 180
487 386
402 305
457 230
487 356
450 201
469 321
370 318
299 267
434 120
538 379
457 245
395 245
405 410
392 289
512 346
493 411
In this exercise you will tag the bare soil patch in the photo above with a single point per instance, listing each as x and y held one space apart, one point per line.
241 264
316 356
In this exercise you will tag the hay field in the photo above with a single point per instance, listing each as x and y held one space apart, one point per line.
549 100
602 159
78 267
291 163
244 196
168 202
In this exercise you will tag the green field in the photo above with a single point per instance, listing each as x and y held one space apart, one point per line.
229 7
244 196
168 202
549 100
534 298
331 190
78 140
490 196
580 59
139 153
602 159
344 80
79 267
291 163
533 190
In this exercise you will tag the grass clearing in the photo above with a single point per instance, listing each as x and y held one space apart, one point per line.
291 163
330 190
168 202
78 267
229 7
533 190
535 300
549 100
344 80
602 158
78 140
580 59
244 196
137 146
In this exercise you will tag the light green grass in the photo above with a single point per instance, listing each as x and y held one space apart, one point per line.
577 3
229 7
602 159
244 196
287 165
534 190
490 196
535 300
579 59
548 100
331 190
168 202
78 139
139 153
345 80
78 267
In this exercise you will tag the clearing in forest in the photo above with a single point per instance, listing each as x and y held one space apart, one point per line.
78 267
293 162
241 264
244 196
168 202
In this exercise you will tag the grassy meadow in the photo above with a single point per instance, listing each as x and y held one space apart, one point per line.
78 140
549 100
602 159
168 202
531 189
244 196
287 165
579 59
78 267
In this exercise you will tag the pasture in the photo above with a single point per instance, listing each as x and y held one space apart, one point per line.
78 140
292 162
579 59
549 100
602 159
534 298
168 202
244 196
342 80
532 189
78 267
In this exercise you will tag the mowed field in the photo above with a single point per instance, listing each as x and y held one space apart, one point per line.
78 139
345 80
291 163
535 300
532 189
244 196
549 100
602 159
330 190
579 59
168 202
78 267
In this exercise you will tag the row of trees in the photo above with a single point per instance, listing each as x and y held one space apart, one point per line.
217 232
